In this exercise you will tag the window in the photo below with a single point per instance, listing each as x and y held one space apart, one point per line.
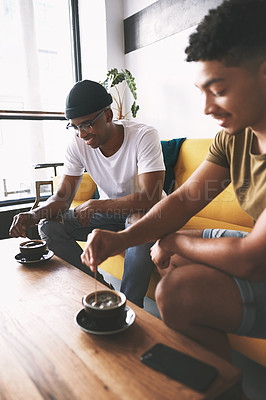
92 22
36 74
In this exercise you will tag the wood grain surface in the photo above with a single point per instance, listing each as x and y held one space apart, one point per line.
44 354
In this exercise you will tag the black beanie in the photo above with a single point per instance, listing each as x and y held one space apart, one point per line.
86 97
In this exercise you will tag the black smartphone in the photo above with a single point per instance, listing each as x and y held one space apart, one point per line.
179 366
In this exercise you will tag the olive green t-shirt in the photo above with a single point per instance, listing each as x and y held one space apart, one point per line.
247 170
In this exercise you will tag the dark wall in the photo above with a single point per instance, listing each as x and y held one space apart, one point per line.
162 19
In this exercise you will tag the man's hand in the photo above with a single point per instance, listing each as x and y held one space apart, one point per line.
160 256
85 211
101 245
21 222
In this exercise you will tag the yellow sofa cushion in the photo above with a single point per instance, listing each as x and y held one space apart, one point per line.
224 211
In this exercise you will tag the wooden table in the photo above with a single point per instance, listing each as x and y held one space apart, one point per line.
44 354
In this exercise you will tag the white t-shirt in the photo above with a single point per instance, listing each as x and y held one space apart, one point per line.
116 176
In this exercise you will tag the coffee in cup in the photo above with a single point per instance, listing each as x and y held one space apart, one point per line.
105 304
33 249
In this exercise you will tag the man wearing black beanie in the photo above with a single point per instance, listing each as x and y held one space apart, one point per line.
125 160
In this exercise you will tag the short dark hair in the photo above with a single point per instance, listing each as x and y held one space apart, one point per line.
233 33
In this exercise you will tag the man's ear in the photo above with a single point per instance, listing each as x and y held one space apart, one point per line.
109 115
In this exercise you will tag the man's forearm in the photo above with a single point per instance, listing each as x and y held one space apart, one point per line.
232 255
51 208
172 213
130 204
165 217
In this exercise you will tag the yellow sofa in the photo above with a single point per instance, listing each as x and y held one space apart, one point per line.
223 212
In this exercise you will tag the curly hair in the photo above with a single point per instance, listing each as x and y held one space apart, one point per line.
233 33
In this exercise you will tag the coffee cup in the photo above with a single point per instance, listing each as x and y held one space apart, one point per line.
105 304
32 249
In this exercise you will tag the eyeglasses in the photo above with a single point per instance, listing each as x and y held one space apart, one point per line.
86 125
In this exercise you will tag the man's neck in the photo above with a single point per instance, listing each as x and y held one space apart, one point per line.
115 141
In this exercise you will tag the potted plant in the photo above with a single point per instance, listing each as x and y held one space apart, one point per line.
114 79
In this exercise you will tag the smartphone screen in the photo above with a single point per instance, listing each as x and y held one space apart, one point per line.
179 366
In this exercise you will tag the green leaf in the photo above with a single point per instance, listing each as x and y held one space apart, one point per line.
131 82
134 109
117 77
113 78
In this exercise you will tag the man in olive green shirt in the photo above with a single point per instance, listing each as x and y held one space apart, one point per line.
247 168
214 287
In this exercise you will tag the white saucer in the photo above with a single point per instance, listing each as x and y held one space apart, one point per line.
22 260
90 325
